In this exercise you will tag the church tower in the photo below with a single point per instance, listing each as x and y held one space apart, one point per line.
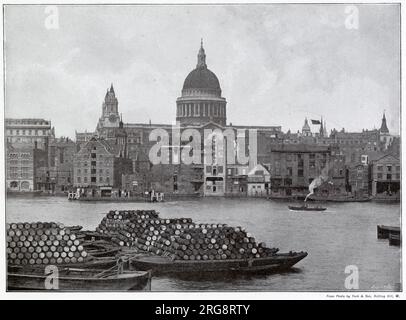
384 135
306 132
110 117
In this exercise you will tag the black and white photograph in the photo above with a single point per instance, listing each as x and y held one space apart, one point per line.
202 147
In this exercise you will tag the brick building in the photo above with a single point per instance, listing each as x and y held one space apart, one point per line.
97 164
385 177
294 166
19 169
61 154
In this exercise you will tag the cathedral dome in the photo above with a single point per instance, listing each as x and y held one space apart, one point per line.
201 78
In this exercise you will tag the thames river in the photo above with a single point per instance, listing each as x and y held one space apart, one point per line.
344 235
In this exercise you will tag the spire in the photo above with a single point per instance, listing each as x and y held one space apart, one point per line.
384 127
321 131
201 57
111 88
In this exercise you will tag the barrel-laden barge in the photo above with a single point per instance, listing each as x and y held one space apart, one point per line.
129 246
164 265
179 245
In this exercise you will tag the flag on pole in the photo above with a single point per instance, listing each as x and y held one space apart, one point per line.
316 121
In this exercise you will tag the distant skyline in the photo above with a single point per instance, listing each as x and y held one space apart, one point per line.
276 64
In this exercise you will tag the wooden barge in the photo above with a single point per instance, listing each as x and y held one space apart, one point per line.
163 265
76 279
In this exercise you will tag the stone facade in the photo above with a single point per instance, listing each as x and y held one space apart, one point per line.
28 132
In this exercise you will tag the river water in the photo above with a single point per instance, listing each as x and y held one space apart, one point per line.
342 236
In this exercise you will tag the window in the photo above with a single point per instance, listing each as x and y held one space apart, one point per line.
289 170
93 179
389 176
389 168
379 175
78 179
300 172
379 168
397 168
85 179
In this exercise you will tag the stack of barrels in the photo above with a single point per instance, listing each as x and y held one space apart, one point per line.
181 238
43 243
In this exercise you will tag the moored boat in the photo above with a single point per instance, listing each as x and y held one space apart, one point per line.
383 232
394 239
306 208
75 279
160 264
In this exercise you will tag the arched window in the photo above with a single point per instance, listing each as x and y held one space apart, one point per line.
25 185
13 184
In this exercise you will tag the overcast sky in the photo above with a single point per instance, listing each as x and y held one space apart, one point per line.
277 64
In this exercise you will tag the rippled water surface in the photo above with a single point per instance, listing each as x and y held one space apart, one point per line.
343 235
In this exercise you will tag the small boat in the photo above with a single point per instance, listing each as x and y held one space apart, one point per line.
383 232
163 265
75 279
306 208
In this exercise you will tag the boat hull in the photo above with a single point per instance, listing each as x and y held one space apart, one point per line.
159 265
140 280
306 209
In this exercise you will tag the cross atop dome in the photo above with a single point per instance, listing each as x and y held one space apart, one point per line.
201 57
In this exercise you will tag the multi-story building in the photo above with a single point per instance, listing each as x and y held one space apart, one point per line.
385 177
358 180
61 154
97 164
19 168
258 181
27 132
295 166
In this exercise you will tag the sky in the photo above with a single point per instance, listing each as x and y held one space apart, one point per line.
276 64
